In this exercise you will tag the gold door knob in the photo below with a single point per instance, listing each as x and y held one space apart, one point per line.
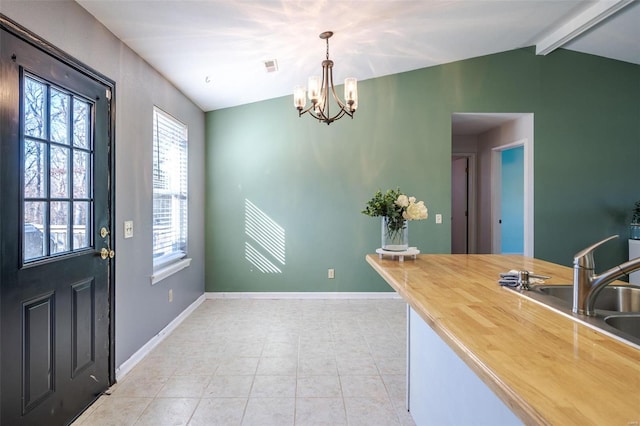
107 253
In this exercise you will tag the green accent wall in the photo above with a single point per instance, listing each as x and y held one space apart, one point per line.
310 181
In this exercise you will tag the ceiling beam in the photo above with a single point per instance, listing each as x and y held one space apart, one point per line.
578 24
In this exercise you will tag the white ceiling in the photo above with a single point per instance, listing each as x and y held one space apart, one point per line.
213 50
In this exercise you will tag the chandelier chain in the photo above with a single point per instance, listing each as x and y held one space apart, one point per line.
327 40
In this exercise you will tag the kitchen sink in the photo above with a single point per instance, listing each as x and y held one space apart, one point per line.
627 324
614 298
617 308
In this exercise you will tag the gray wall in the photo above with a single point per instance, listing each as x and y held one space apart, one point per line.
142 310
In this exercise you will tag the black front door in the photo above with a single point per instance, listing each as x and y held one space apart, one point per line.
54 221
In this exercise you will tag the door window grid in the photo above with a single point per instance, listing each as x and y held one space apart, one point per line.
170 173
57 169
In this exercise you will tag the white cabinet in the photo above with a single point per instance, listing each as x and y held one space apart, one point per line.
443 390
634 251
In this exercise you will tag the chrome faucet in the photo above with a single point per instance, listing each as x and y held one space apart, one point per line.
587 285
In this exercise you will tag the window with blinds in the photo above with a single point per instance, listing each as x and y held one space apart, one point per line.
169 189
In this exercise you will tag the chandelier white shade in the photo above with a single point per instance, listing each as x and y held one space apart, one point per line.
319 90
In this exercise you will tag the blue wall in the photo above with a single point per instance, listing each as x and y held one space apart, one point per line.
512 201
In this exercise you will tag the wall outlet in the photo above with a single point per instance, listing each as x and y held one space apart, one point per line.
128 229
170 295
438 218
331 273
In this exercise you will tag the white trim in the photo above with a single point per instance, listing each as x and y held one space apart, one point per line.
408 365
164 260
472 206
578 24
302 295
528 197
128 365
169 270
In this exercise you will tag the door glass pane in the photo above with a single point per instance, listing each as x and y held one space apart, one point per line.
34 169
80 174
81 214
34 108
59 116
59 240
59 171
80 123
33 233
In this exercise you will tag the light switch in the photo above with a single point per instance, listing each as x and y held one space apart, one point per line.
128 229
438 218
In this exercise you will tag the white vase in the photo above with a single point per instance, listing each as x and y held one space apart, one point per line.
395 237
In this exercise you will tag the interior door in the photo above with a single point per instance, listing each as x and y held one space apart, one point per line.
459 205
55 195
512 201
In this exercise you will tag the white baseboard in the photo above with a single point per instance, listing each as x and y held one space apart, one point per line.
302 295
128 365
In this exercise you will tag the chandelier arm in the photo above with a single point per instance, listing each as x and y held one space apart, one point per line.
342 113
341 104
327 65
338 116
344 108
311 110
301 112
314 115
311 113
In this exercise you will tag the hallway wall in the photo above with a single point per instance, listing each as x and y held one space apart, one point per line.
141 309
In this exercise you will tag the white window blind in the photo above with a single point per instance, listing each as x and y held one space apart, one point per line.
169 189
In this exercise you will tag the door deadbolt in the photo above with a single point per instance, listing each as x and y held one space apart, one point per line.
106 252
104 232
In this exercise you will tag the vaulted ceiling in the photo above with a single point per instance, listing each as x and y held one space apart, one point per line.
214 51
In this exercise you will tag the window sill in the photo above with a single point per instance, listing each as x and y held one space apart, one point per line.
169 270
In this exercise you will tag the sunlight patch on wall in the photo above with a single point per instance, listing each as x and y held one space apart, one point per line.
267 235
259 261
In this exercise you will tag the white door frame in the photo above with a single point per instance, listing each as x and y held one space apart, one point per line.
496 191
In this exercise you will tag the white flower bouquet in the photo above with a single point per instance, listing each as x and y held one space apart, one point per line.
397 208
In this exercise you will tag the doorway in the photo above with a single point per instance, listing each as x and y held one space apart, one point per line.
56 272
480 136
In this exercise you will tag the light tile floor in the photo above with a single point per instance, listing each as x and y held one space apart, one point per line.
270 362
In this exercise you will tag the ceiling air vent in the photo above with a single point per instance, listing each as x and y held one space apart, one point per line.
271 65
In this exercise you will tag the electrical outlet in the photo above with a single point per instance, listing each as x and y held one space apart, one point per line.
170 295
128 229
331 273
438 218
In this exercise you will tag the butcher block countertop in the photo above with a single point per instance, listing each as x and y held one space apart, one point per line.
545 366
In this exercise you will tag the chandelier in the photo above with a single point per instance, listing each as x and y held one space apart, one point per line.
319 89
